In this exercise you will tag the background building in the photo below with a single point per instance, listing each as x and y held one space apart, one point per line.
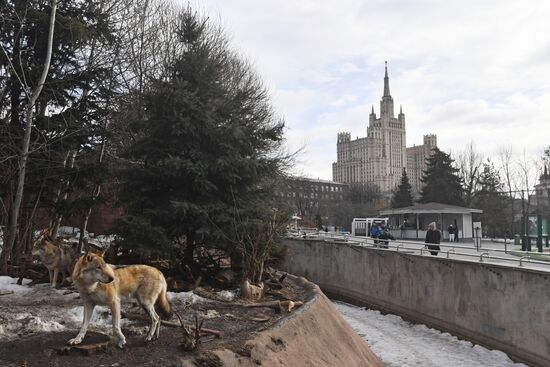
310 198
379 158
416 162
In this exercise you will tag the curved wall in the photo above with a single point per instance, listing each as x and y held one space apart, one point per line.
314 334
501 307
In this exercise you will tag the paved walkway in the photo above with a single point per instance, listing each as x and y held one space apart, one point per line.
492 252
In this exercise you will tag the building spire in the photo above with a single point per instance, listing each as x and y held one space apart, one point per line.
386 82
400 109
372 111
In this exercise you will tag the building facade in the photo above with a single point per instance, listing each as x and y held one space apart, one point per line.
309 198
416 162
379 158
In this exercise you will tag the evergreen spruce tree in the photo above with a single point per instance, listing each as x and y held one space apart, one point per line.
206 150
402 197
441 181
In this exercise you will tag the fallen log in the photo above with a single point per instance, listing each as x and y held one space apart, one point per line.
208 295
278 305
260 318
7 293
278 294
133 316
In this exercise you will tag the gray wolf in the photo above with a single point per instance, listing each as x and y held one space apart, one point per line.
55 255
101 284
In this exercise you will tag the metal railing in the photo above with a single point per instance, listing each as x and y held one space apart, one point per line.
417 247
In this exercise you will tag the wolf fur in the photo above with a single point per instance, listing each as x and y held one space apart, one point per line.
55 255
101 284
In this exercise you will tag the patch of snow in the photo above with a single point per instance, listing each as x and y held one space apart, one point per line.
184 297
101 318
106 240
399 343
9 284
227 295
65 231
20 324
211 314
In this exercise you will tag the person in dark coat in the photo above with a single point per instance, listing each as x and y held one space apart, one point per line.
384 234
433 236
451 230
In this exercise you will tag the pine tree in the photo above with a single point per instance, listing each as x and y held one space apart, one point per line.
441 181
206 150
402 197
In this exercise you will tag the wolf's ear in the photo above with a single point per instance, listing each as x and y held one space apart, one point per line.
88 257
102 253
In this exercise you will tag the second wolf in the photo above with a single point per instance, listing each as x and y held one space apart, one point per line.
101 284
56 256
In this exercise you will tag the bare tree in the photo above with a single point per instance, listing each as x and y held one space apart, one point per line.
24 154
528 171
469 163
507 172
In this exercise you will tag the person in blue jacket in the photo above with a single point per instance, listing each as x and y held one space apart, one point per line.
374 232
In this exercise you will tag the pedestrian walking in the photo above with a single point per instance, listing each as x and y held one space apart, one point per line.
451 230
384 235
433 239
374 232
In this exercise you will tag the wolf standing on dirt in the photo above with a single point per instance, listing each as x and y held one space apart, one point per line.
101 284
55 256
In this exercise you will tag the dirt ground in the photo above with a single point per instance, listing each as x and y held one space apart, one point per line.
56 311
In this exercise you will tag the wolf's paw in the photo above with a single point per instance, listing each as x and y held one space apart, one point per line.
151 338
75 341
121 343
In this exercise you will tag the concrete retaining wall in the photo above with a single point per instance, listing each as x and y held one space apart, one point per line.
500 307
315 334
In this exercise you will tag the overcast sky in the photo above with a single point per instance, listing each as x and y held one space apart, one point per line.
464 70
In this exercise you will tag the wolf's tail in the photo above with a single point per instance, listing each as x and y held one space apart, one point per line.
162 304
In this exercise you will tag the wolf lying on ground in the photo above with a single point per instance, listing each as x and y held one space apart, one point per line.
55 255
101 284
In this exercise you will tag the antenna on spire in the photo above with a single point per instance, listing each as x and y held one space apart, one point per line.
386 81
400 109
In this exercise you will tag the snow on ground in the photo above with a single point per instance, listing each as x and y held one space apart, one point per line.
9 284
399 343
185 297
26 310
228 295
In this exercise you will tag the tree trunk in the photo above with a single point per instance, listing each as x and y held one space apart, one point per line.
29 111
95 195
189 249
62 192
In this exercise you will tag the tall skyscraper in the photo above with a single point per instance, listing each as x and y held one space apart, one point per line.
379 158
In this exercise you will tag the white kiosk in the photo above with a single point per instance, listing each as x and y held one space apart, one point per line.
362 226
